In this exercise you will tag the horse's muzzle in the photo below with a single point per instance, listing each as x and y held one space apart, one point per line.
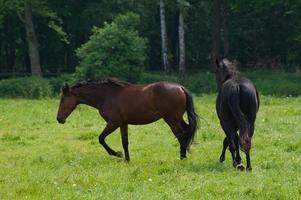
60 120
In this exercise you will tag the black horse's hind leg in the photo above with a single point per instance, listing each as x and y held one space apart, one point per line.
107 131
232 148
231 135
249 167
248 162
125 142
225 145
237 158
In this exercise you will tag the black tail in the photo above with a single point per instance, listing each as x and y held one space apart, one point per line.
192 117
234 104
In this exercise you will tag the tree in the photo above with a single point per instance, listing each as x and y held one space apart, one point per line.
225 27
182 9
25 9
256 33
164 48
32 41
215 31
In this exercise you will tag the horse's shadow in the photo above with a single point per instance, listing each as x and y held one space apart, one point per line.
206 167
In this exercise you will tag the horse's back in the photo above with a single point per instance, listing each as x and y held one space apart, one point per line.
245 91
141 104
167 96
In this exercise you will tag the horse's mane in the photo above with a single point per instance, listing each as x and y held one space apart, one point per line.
109 81
231 66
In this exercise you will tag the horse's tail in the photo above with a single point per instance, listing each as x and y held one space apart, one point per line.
192 117
234 104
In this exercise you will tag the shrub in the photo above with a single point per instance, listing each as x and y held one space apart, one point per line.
267 82
29 87
58 82
114 50
201 82
149 77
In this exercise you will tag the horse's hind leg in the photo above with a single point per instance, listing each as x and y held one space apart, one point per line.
179 131
225 145
231 134
125 142
249 167
235 151
107 131
237 158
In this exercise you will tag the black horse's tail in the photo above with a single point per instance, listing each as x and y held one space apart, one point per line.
192 117
234 104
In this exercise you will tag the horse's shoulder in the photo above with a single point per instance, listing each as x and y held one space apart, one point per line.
230 83
244 80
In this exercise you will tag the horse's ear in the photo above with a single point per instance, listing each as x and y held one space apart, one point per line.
66 89
217 63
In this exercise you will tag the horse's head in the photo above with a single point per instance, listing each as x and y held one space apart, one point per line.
67 104
223 70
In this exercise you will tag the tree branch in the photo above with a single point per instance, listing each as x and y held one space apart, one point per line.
20 17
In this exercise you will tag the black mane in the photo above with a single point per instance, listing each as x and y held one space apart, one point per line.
231 67
110 81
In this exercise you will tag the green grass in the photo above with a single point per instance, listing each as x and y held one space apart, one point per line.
41 159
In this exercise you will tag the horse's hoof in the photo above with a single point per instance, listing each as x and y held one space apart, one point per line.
240 167
249 169
182 157
119 154
221 159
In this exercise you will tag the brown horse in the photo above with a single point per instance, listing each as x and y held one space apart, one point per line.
121 103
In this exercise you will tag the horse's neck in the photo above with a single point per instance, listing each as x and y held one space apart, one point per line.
94 96
227 78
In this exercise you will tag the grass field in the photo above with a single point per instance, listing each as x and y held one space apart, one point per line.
41 159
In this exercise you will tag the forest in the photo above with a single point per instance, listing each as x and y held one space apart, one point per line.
44 37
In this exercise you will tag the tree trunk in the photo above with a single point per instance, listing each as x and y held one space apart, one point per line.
32 41
225 28
164 49
181 43
215 31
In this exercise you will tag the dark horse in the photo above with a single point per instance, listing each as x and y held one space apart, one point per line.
121 103
237 104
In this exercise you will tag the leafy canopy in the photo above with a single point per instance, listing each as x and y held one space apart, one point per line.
113 50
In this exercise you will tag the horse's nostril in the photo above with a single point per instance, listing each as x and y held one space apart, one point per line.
60 120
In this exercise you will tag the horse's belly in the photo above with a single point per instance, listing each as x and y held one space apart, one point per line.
144 119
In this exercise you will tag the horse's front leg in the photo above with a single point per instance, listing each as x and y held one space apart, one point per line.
125 142
110 127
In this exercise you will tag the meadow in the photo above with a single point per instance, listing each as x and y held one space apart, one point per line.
41 159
